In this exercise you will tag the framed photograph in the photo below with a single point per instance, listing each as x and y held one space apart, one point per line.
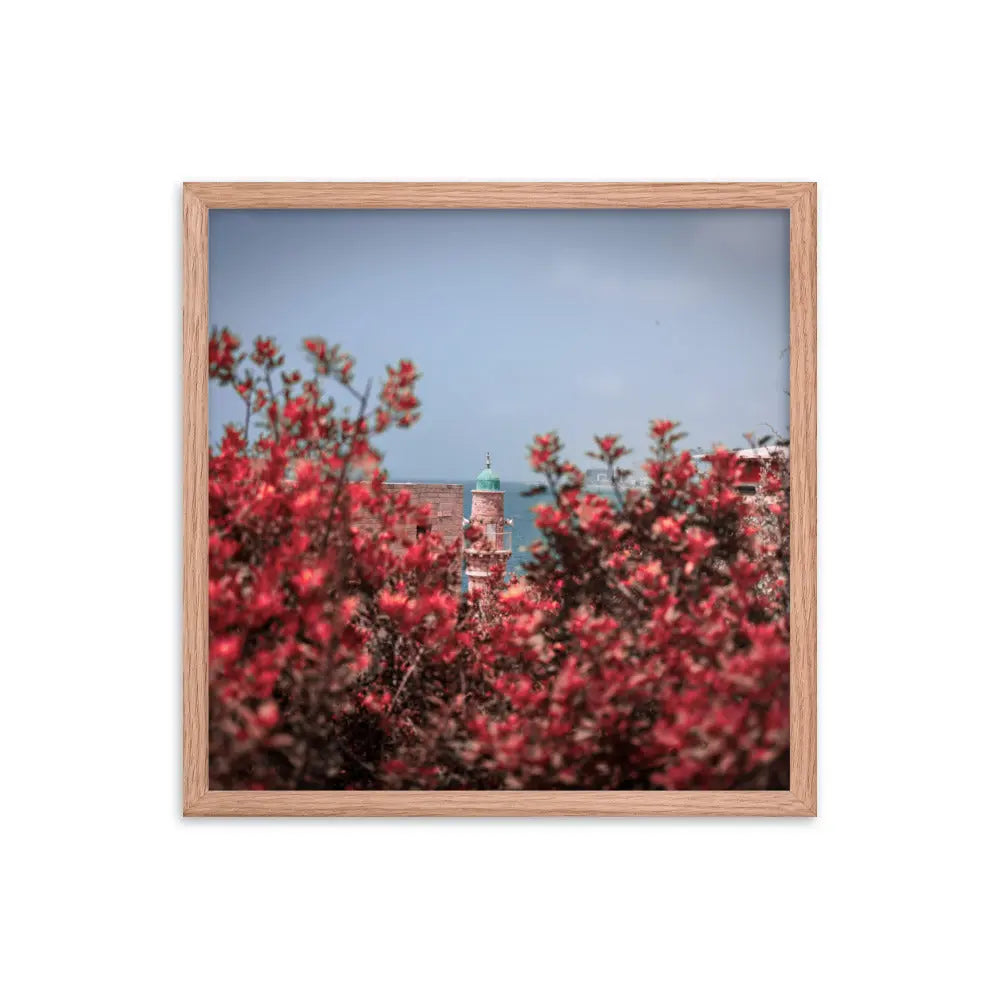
499 499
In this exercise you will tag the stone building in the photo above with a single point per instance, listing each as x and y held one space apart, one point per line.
494 548
446 501
755 462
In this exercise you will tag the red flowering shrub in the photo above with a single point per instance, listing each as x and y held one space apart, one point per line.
316 623
646 646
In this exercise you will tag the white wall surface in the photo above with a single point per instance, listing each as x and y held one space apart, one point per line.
108 108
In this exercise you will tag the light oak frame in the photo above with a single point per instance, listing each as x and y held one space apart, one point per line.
800 201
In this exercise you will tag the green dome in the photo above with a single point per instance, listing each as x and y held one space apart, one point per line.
488 479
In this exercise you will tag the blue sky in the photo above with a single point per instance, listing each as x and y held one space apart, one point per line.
584 322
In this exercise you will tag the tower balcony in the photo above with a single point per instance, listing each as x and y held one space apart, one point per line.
493 543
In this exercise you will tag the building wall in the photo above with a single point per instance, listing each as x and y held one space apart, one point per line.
445 499
447 503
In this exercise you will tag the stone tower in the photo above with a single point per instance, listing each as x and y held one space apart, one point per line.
494 547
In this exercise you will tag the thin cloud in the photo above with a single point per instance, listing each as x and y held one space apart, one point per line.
601 383
593 280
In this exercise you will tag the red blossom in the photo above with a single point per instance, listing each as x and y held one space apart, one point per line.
268 714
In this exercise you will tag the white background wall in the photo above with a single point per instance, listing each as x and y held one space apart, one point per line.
108 108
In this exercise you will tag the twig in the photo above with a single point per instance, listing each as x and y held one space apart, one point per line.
274 402
342 478
406 677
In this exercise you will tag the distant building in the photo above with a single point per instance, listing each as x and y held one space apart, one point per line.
494 547
754 462
445 501
599 481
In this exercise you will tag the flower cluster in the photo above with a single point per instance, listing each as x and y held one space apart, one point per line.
646 645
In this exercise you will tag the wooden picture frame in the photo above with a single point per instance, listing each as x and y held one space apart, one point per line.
800 201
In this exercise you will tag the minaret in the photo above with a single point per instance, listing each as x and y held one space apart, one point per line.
494 547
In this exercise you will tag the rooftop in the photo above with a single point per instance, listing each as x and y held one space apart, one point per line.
488 479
